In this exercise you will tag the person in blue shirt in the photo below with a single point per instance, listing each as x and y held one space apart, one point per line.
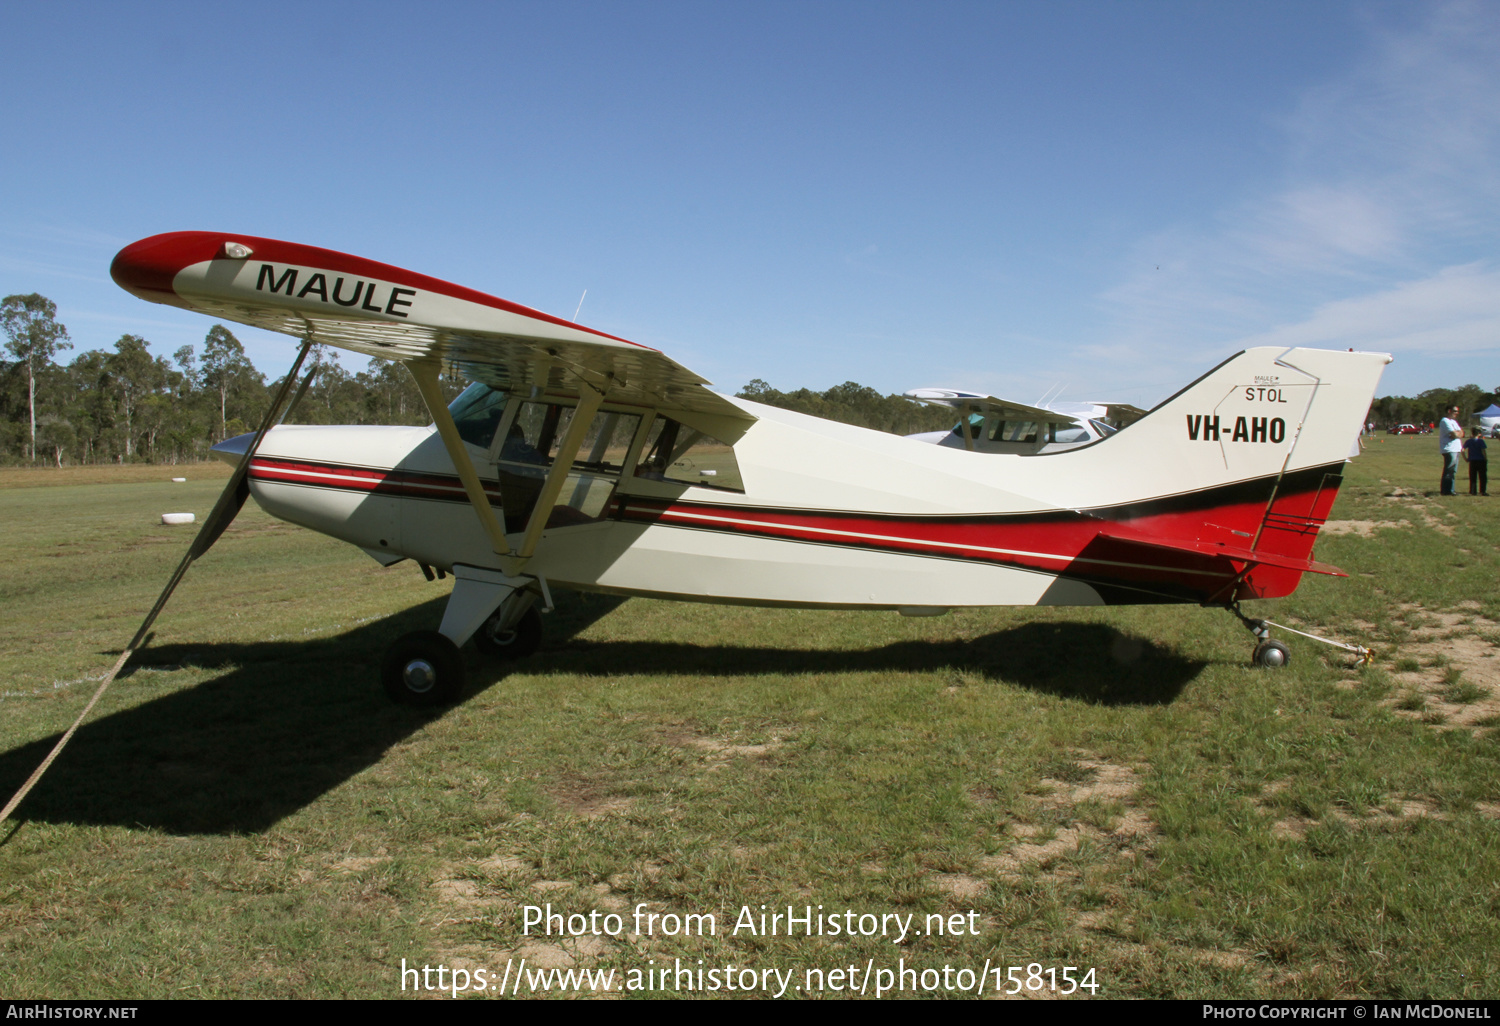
1479 477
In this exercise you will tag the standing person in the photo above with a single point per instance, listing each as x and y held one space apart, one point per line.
1479 464
1450 444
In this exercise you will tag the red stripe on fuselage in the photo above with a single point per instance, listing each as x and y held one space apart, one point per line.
1067 546
1064 542
398 483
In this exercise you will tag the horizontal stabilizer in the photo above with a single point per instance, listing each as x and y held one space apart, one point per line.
1239 553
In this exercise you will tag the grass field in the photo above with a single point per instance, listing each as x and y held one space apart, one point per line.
245 815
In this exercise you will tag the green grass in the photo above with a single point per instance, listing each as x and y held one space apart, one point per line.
246 816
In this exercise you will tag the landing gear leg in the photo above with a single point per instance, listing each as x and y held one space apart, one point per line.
1268 652
514 631
424 668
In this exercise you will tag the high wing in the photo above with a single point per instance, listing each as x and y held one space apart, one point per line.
1119 414
1008 409
385 311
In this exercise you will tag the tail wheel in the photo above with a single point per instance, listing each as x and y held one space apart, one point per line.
423 669
1271 653
518 641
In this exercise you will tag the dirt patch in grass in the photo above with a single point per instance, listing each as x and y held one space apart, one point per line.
720 749
1084 829
607 898
566 954
1362 528
1293 828
506 865
547 886
961 885
1413 501
1396 810
1405 808
582 951
456 891
359 864
587 799
1448 674
1097 804
1041 853
1108 783
643 874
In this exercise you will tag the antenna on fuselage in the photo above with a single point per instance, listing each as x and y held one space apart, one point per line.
580 306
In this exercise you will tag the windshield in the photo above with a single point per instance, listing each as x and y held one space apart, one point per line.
477 412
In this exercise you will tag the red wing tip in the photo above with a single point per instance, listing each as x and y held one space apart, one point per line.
151 265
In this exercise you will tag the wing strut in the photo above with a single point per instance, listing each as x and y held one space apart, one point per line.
230 500
567 452
426 373
589 400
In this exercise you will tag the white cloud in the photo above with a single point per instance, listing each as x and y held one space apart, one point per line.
1311 226
1455 311
1380 234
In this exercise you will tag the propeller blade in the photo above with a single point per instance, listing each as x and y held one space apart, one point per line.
222 516
302 388
230 500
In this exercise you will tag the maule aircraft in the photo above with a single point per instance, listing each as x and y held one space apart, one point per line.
989 424
579 459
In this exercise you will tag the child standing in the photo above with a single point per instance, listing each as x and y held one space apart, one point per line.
1479 478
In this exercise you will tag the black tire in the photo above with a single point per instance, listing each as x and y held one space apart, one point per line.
1271 654
423 669
517 643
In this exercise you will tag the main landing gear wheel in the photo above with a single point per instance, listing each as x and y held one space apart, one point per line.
519 641
1271 653
423 669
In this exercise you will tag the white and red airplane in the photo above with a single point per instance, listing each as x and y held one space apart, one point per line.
580 459
991 424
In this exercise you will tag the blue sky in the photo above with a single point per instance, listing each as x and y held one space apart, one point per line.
1106 197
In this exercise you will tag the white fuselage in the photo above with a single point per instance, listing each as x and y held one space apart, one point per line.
834 515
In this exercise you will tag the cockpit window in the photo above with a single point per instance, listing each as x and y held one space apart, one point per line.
477 412
976 426
1014 431
676 452
530 448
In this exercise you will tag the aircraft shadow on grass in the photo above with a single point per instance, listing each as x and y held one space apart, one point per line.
291 720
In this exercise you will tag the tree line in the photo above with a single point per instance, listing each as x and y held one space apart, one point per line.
1428 407
125 405
853 403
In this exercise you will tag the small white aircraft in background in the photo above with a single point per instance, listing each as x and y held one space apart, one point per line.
580 459
989 424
